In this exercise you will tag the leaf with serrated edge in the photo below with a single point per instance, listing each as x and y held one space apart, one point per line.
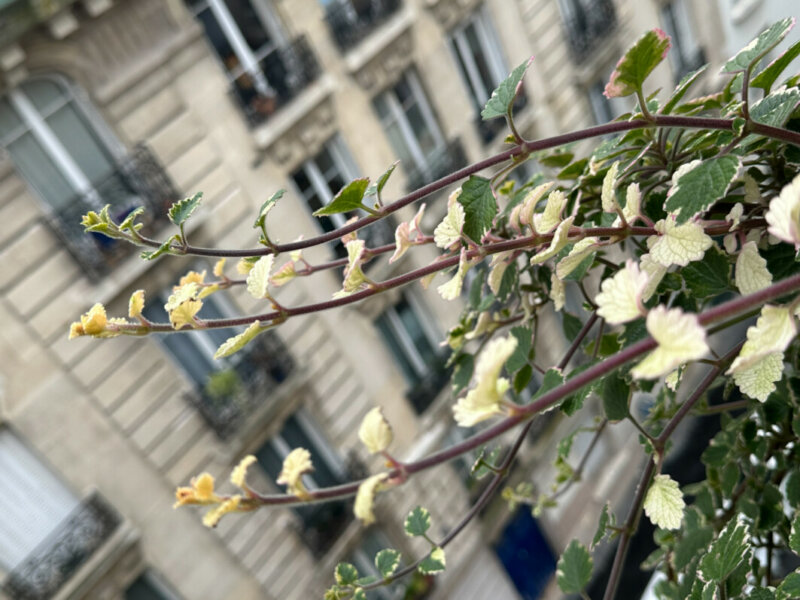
268 206
726 552
480 206
375 432
697 185
502 97
683 87
387 561
183 209
752 274
637 63
759 47
775 109
346 574
258 277
574 568
783 216
677 244
664 503
349 198
770 74
790 586
601 526
384 178
448 232
237 342
620 299
560 239
680 339
417 522
433 563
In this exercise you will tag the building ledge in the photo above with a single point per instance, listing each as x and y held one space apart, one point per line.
379 40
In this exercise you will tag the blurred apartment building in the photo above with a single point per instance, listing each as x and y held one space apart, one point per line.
141 102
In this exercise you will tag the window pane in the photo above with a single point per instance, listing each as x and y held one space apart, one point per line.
10 123
45 94
296 437
396 348
398 144
81 143
146 587
218 40
423 134
416 332
40 171
249 24
480 61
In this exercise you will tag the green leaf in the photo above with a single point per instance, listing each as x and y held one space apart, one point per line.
616 398
433 563
485 462
417 522
162 249
130 220
387 561
574 568
266 207
519 358
791 585
480 206
523 378
686 82
726 553
378 186
699 188
508 283
574 170
476 289
464 366
761 594
359 594
183 209
574 402
602 524
709 276
776 108
793 488
759 47
503 96
794 537
696 538
346 574
551 380
349 198
637 63
571 324
770 74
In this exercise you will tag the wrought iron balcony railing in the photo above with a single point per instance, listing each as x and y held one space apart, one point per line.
288 70
139 180
587 22
264 365
444 161
350 21
58 558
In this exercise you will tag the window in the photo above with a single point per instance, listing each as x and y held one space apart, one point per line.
249 40
322 523
350 21
230 388
413 343
586 22
33 504
149 586
407 118
686 54
480 59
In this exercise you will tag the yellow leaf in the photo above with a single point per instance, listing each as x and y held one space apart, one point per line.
136 304
680 338
237 342
296 463
258 277
365 498
375 432
239 473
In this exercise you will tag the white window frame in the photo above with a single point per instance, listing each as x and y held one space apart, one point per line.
249 61
489 46
397 115
34 120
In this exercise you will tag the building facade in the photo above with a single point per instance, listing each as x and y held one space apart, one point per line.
141 102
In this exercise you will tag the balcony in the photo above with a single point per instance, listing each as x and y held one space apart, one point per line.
232 395
59 557
288 70
586 24
444 161
139 180
351 21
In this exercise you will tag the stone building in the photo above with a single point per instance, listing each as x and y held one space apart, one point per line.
140 102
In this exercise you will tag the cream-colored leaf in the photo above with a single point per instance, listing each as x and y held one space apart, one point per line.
655 273
557 292
239 473
496 277
730 243
484 324
375 432
219 268
576 256
633 202
136 304
212 517
680 339
258 277
353 275
237 342
664 503
758 378
735 215
401 241
773 332
183 305
620 299
752 193
530 203
751 270
560 239
548 220
678 244
607 195
295 465
783 216
284 274
448 232
452 289
365 498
